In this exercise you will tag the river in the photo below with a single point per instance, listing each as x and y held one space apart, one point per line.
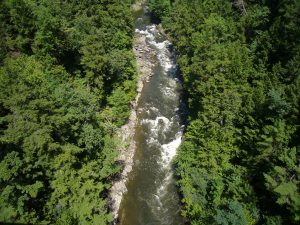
152 197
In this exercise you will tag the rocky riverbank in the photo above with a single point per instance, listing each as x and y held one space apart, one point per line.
145 58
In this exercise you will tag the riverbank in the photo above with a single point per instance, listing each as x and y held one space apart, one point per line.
152 195
145 64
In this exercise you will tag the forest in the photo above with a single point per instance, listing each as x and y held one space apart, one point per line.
240 62
67 76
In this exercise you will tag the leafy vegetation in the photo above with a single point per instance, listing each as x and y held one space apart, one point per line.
159 8
67 76
240 61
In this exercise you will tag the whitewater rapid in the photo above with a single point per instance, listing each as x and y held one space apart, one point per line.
152 197
161 123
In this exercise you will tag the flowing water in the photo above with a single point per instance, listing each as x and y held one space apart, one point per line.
152 197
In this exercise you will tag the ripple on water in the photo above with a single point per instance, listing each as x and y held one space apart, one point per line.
154 196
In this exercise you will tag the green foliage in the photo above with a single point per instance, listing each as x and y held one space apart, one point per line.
283 182
238 162
63 66
159 8
233 213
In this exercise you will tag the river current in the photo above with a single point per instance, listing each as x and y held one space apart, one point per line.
152 196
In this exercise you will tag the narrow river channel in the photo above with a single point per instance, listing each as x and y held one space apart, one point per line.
152 197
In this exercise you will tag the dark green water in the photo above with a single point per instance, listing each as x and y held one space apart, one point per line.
152 197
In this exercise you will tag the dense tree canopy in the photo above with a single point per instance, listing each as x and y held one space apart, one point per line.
67 75
239 162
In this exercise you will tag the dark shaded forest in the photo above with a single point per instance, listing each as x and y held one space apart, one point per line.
67 76
240 61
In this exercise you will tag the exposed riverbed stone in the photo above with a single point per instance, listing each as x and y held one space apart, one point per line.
145 58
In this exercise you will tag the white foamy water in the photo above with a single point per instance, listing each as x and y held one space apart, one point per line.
158 124
169 150
153 195
162 123
163 54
